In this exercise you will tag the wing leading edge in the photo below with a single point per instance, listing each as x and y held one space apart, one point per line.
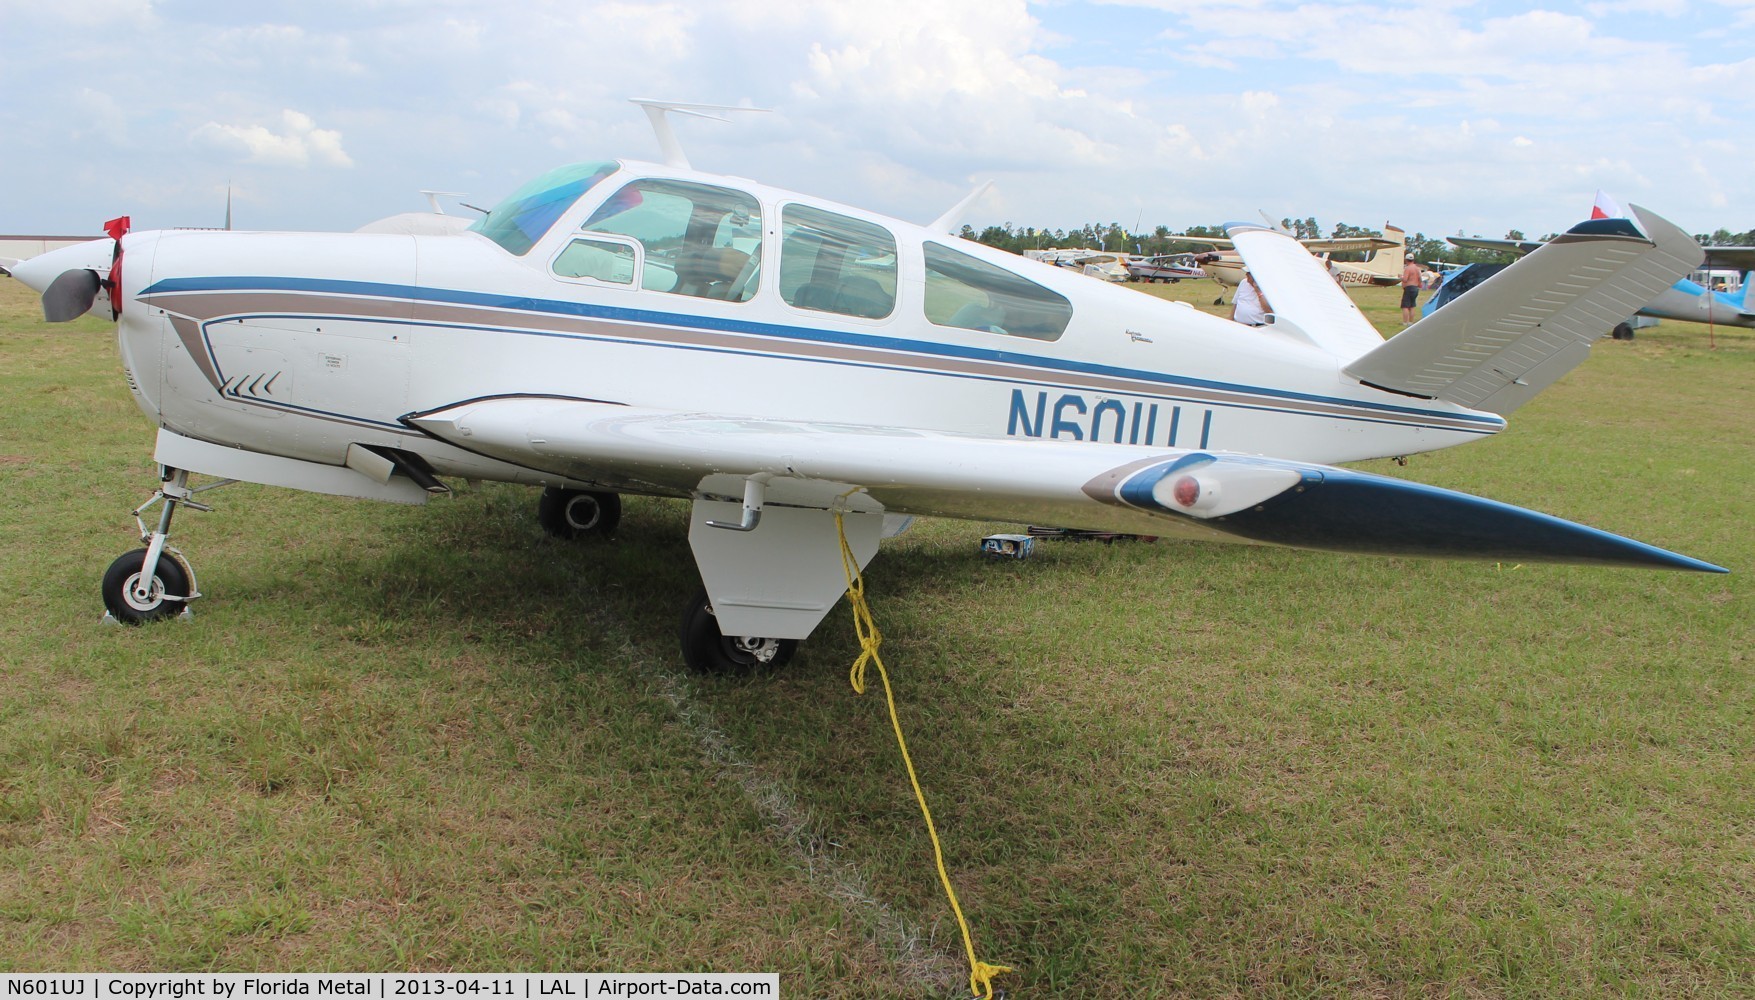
1193 494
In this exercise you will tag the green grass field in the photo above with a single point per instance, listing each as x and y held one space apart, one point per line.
397 738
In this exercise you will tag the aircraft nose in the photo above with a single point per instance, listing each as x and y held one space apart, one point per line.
66 278
142 332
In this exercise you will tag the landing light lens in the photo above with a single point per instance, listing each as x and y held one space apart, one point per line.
1186 491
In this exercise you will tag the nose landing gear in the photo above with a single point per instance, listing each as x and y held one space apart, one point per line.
155 582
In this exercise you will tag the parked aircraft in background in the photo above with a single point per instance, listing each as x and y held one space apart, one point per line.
1100 264
1383 267
1103 267
1685 300
807 373
1167 267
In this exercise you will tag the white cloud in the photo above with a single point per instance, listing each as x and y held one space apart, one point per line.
1195 112
300 143
83 14
1667 8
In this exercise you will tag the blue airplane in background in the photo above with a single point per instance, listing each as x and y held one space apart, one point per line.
1685 300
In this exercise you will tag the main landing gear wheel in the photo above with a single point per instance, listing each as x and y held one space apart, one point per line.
132 604
574 513
707 650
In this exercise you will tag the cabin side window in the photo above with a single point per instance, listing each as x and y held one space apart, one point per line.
971 294
606 260
836 264
697 239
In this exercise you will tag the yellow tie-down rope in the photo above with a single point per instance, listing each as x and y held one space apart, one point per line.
980 973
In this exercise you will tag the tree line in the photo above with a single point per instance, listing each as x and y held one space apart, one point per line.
1161 240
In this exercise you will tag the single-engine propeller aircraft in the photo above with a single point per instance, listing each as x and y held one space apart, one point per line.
1383 266
1171 267
806 372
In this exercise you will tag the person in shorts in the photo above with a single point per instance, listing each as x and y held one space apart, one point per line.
1410 289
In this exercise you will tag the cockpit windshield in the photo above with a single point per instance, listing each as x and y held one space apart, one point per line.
528 214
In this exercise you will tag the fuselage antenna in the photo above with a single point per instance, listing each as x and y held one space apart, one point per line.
668 146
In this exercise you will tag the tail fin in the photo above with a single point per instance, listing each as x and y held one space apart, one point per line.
1303 296
1526 326
1386 262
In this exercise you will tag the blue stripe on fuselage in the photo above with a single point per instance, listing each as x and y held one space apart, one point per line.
560 307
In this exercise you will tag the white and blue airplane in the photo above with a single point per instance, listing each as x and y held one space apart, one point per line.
803 371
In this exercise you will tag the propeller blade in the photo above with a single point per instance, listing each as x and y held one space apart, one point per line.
70 296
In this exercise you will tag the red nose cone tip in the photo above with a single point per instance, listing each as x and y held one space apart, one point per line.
1186 491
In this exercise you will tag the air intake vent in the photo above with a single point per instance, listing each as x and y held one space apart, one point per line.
133 386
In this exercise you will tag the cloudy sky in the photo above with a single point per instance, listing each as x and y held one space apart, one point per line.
1441 117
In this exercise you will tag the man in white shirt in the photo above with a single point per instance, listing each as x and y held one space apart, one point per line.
1249 306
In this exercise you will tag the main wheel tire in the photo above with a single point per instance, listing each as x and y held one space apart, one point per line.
706 650
119 581
571 514
1623 331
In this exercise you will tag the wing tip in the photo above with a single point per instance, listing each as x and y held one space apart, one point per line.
1353 511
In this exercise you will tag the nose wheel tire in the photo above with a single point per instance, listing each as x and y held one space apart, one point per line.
707 650
569 514
162 598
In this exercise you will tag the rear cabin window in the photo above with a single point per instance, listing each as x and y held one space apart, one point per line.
835 264
532 210
698 239
971 294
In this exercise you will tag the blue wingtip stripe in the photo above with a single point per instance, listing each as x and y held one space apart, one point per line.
1358 512
1347 511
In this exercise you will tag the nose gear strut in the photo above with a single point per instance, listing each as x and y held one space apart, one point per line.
157 581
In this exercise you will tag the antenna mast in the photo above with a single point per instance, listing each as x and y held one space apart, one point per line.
668 146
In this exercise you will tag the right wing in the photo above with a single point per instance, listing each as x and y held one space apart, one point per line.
1196 494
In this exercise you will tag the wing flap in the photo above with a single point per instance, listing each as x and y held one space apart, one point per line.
1526 326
